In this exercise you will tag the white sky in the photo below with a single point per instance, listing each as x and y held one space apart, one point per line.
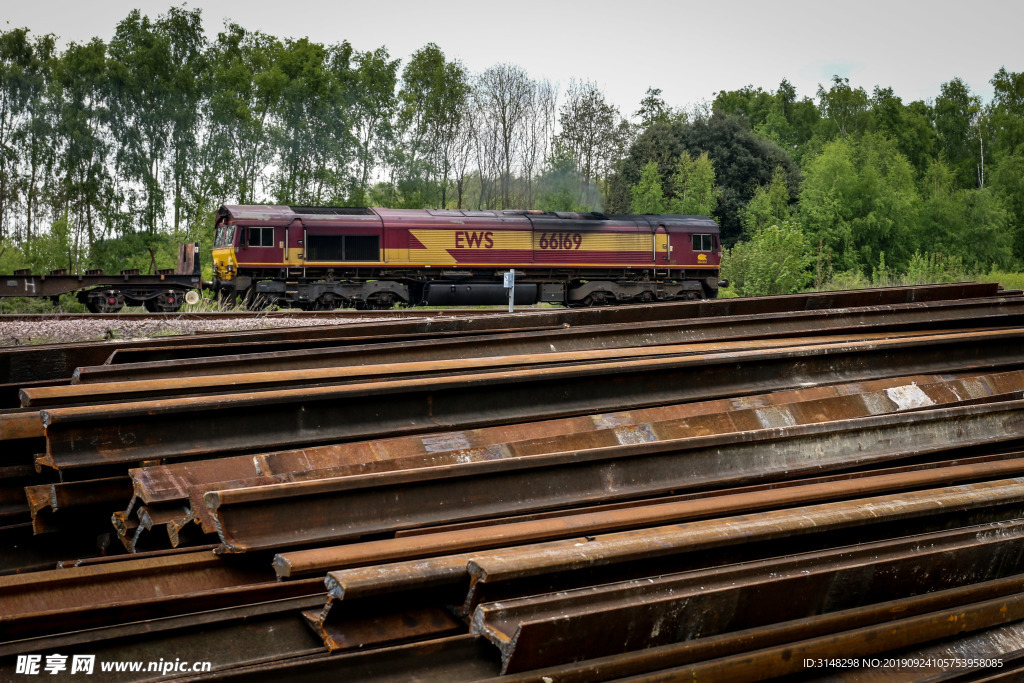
690 50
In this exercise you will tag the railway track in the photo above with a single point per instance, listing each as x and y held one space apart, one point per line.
711 490
339 314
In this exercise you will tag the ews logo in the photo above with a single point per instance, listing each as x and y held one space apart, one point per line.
470 239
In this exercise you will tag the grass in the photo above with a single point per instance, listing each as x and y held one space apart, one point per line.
1007 280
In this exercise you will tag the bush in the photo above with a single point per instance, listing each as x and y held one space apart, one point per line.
776 260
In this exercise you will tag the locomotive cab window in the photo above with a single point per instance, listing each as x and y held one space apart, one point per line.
702 243
218 241
260 237
343 248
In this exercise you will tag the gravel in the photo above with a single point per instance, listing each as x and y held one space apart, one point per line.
59 331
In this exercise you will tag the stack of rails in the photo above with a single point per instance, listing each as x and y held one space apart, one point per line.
716 490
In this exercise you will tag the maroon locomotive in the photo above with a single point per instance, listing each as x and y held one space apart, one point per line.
325 257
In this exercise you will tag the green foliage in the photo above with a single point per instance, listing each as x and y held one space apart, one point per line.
742 162
909 126
647 195
654 110
972 225
844 109
1009 280
859 199
1006 113
561 188
592 136
1007 183
432 114
775 260
956 122
845 280
694 186
768 206
779 117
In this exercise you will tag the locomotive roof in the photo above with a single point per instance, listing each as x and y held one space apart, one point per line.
266 212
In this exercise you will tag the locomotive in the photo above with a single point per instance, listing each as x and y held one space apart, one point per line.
328 257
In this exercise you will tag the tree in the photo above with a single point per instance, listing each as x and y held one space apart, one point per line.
859 199
845 109
591 131
1006 112
768 206
972 225
1007 183
778 117
743 162
504 93
653 109
909 126
661 142
561 188
956 121
17 58
647 195
433 105
154 97
312 135
695 193
85 190
248 84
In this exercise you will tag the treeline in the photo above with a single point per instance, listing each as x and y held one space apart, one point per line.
113 151
850 189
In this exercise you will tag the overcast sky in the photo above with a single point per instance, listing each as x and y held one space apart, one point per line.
690 50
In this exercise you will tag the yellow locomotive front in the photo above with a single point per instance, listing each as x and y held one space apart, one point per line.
225 262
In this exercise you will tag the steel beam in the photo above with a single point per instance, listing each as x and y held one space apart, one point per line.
93 595
562 558
649 513
992 312
557 628
347 507
270 420
656 660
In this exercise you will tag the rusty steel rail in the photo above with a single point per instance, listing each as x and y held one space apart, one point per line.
807 406
126 391
988 312
557 318
272 420
668 658
864 642
111 593
556 628
55 504
21 364
172 482
560 565
445 660
651 513
228 638
347 507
